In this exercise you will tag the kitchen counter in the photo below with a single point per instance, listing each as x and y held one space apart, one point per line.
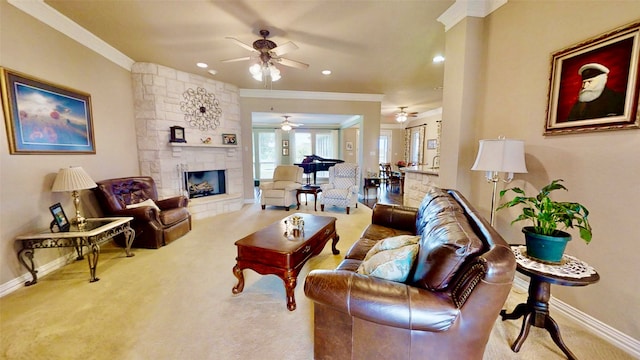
421 169
417 181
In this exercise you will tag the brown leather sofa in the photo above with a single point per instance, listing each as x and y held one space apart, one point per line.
154 227
446 308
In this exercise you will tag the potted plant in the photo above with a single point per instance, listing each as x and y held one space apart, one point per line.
544 240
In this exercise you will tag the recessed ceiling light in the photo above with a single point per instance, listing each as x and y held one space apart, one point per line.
438 59
212 72
326 72
202 65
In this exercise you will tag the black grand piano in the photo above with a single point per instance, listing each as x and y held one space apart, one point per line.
314 163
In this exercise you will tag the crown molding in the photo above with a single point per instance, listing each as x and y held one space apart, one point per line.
50 16
463 8
309 95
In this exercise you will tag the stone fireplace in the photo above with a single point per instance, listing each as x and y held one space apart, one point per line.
158 91
205 183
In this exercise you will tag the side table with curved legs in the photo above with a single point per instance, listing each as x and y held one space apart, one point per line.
536 310
91 235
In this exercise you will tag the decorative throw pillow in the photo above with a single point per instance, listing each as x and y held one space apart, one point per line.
392 243
147 202
393 265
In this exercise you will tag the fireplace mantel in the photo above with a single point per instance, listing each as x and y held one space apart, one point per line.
203 145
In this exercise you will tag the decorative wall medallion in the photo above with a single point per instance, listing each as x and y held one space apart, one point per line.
201 109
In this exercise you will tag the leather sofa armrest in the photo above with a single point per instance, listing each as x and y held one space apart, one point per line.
395 216
143 213
381 301
173 202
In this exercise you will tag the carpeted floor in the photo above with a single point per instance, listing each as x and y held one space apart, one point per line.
176 303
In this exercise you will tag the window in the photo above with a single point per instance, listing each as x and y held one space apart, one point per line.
316 142
264 150
415 147
384 146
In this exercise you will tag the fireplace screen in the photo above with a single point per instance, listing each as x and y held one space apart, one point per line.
205 183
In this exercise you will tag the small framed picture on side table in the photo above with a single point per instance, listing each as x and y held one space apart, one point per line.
59 218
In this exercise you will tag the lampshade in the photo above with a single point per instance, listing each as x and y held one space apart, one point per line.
501 155
72 178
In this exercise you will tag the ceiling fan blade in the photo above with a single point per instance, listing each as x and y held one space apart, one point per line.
240 43
292 63
284 48
245 58
295 124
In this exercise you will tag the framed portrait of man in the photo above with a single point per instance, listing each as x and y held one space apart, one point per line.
594 84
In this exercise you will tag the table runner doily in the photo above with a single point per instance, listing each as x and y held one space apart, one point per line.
569 266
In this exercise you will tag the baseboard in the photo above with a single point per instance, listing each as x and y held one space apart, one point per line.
616 338
17 283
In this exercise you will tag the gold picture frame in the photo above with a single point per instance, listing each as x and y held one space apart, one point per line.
45 118
594 85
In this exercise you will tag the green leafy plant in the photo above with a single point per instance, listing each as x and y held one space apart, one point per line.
546 214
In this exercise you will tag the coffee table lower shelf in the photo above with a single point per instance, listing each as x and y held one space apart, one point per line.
271 251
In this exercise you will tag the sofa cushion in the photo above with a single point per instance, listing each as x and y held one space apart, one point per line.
394 264
379 232
434 202
360 248
147 202
443 250
392 243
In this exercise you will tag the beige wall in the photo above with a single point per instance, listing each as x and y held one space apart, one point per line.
349 135
370 129
601 170
28 46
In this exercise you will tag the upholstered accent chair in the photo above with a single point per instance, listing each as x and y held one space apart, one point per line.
287 179
156 222
342 189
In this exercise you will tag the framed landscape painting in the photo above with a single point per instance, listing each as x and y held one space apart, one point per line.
594 84
43 118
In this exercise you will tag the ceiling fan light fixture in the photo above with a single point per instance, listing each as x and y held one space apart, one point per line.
264 71
256 71
274 73
401 117
286 127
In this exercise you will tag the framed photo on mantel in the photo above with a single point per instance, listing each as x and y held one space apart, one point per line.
229 139
177 134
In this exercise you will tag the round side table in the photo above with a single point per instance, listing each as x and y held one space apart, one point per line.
536 310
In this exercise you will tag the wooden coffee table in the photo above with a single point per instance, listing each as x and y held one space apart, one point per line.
273 251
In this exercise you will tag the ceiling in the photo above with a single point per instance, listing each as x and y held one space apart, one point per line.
372 47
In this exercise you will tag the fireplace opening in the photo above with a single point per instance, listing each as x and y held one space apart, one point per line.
205 183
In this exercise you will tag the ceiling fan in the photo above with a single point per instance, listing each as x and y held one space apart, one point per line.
268 53
287 125
403 116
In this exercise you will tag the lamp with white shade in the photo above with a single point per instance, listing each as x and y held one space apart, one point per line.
73 179
497 156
